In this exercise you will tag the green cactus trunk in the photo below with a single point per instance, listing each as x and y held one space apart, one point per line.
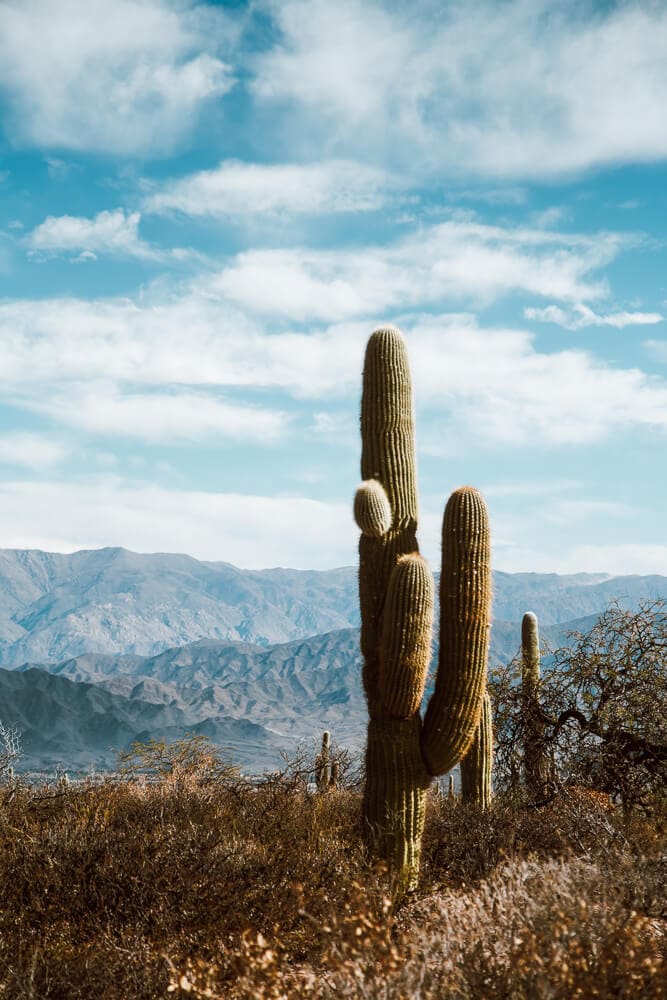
477 765
396 595
455 709
534 758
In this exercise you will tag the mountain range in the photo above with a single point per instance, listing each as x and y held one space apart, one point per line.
104 647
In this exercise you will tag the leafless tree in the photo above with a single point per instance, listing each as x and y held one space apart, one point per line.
10 748
603 706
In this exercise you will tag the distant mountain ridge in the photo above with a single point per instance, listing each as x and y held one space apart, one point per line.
55 606
109 646
255 700
82 725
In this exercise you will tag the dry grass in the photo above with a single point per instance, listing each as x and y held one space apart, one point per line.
200 885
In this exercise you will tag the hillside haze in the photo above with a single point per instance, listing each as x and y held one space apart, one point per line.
108 646
55 606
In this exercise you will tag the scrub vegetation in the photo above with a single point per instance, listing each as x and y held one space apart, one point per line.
181 878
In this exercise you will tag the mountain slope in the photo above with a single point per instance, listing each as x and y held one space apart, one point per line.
279 694
113 601
82 724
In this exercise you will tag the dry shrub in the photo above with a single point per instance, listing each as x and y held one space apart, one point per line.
535 929
200 884
105 888
464 843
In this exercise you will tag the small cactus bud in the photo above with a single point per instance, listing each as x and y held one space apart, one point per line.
372 511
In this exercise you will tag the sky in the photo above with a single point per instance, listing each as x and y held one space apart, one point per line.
206 208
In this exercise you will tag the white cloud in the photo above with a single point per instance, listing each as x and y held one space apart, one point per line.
521 546
619 560
113 232
513 89
549 217
537 488
493 382
142 343
528 544
240 189
33 451
84 256
572 511
459 260
247 530
128 77
580 316
174 417
498 386
56 168
658 348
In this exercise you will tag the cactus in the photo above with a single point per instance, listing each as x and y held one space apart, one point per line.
323 764
396 595
465 608
451 790
477 764
534 762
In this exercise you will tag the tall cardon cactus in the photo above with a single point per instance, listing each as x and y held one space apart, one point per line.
477 764
397 597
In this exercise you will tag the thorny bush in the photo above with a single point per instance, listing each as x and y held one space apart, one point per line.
188 880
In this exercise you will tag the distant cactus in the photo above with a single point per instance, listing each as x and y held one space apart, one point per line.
534 760
477 764
451 790
323 764
396 594
335 775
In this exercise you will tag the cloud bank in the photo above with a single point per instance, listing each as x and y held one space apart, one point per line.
130 77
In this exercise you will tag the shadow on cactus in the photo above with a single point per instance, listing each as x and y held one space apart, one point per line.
397 599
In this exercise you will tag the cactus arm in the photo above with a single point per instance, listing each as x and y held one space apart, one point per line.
396 780
455 707
405 642
477 765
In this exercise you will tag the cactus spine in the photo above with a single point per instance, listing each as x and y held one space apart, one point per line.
477 764
534 763
396 594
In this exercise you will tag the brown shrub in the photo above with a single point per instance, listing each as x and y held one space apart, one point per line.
203 885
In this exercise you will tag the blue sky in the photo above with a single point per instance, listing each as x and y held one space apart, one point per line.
205 209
